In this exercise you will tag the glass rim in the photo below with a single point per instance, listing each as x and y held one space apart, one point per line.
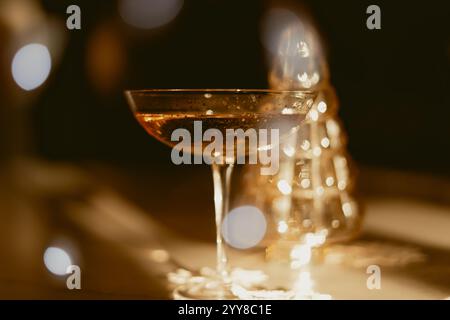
230 91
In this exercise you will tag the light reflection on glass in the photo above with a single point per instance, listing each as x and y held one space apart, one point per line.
284 187
159 255
282 226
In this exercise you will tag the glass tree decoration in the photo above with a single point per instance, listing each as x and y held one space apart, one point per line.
312 194
322 182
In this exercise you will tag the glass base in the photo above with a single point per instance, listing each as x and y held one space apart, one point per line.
206 284
241 284
208 290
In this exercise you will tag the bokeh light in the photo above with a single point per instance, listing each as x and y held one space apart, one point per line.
244 227
284 187
106 59
274 24
31 66
149 14
57 260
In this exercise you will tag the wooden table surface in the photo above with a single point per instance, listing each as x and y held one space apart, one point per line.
127 228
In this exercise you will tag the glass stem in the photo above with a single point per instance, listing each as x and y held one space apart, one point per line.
221 178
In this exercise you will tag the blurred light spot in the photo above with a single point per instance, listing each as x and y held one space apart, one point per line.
322 107
306 145
275 22
304 288
282 227
287 111
303 285
281 204
335 224
21 15
284 187
329 181
57 260
314 115
208 95
302 77
341 185
149 14
300 255
316 239
31 66
317 151
106 59
248 278
320 190
347 209
305 183
325 142
342 162
244 227
159 255
307 223
289 151
332 128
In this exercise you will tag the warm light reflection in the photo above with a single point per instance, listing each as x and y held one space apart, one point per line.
149 14
335 223
325 142
57 260
329 181
307 223
304 288
305 145
159 255
106 58
332 128
316 239
313 115
281 204
300 255
322 107
289 151
31 66
317 151
305 183
288 111
282 227
244 227
341 185
20 15
284 187
347 209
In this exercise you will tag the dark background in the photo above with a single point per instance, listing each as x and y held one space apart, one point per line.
393 83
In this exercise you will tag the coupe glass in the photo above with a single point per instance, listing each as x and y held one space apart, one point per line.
161 111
